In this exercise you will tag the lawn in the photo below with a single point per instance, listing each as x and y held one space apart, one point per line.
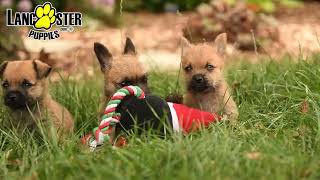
277 135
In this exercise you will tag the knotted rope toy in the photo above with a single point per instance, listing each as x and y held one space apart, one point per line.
146 110
110 118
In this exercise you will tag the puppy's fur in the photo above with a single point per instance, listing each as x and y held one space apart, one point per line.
25 93
120 71
202 69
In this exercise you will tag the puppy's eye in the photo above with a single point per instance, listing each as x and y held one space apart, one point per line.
210 67
188 68
5 84
26 84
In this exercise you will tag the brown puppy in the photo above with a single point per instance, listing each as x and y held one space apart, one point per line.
120 71
25 90
202 69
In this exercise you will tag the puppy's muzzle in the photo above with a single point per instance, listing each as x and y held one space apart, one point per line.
198 78
199 83
15 100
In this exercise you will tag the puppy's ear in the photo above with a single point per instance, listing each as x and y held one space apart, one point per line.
184 45
42 69
129 47
2 68
221 43
103 55
43 55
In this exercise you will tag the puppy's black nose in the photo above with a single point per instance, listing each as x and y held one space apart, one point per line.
199 78
12 96
15 99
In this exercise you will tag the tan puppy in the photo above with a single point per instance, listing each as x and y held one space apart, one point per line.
202 69
120 71
25 90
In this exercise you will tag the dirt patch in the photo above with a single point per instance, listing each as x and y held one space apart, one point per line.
299 29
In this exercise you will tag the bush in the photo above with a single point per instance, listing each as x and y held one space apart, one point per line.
161 5
271 5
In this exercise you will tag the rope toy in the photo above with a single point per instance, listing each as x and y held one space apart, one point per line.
110 118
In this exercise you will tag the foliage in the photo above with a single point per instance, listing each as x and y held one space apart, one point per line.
182 5
277 135
85 7
161 5
59 5
271 5
10 40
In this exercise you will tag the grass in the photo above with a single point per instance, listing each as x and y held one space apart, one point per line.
274 138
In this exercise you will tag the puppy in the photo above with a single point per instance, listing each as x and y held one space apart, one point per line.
25 93
202 70
120 71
